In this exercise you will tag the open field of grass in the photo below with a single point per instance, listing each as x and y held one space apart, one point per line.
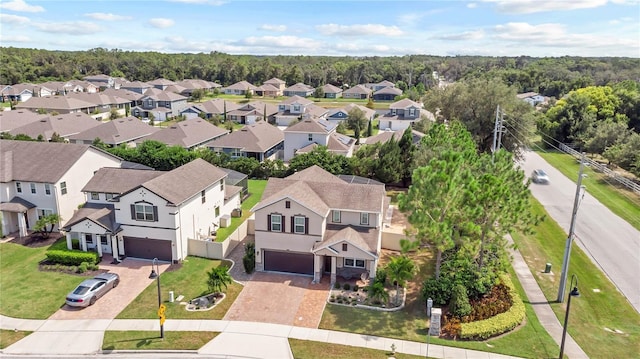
142 340
600 309
324 102
8 337
189 280
25 291
618 199
256 187
303 349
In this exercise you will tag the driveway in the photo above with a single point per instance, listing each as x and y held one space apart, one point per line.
134 278
281 299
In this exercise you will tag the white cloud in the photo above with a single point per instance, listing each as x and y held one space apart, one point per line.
107 16
533 6
13 19
280 41
70 28
413 17
15 38
274 28
463 36
204 2
472 5
20 5
359 30
161 23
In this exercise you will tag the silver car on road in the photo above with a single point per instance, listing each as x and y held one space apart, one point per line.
87 292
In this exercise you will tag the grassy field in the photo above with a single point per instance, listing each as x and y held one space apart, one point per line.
25 291
530 340
599 306
139 340
302 349
324 102
256 187
189 281
8 337
619 200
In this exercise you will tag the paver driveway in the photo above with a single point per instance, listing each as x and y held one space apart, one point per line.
281 299
134 278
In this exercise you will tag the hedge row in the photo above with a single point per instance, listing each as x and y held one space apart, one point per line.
73 257
500 323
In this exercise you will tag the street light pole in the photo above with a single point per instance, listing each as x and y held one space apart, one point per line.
155 274
574 293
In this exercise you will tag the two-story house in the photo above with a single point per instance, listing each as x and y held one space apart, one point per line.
163 105
252 112
136 86
280 85
299 89
314 223
260 140
305 135
341 114
151 214
161 83
402 114
101 80
42 178
297 108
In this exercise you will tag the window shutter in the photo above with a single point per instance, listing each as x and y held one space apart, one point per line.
133 211
293 224
155 213
306 225
269 222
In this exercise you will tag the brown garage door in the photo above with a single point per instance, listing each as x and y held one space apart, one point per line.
288 262
147 248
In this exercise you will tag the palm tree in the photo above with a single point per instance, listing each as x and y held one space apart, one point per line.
378 293
218 277
400 269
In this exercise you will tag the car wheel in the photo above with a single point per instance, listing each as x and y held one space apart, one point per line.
92 301
116 282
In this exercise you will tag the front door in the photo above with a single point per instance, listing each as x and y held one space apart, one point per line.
105 243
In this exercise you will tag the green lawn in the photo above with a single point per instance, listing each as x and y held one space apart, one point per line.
143 340
256 187
25 292
324 102
619 200
8 337
303 349
530 340
189 281
599 306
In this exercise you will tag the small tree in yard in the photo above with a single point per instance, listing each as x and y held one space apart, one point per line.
377 293
400 269
45 224
218 277
249 259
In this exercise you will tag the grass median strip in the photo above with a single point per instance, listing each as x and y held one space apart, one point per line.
8 337
599 311
146 340
302 349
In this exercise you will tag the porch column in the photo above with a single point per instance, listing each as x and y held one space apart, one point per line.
333 270
22 224
5 225
317 269
373 265
83 242
69 242
97 240
114 248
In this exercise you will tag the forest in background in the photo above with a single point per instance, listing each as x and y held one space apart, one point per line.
549 76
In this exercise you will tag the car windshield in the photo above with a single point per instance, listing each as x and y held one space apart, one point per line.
541 173
81 290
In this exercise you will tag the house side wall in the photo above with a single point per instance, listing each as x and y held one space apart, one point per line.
295 140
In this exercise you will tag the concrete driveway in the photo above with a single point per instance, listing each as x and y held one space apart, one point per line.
134 278
281 299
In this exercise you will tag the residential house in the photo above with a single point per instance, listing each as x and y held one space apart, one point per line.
402 114
104 102
299 89
163 105
136 86
42 178
85 85
151 214
240 88
331 91
341 114
18 92
297 108
64 125
278 84
386 94
308 134
189 134
209 109
268 90
253 112
314 223
260 140
18 118
380 85
101 80
532 98
386 135
193 84
61 87
60 104
115 132
134 98
358 92
161 83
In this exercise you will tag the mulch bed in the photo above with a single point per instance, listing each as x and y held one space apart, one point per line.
37 240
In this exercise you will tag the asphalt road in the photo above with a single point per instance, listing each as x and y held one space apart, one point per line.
612 243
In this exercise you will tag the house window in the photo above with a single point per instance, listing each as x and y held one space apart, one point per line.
276 223
412 112
18 187
299 224
103 240
236 152
63 187
310 137
33 188
335 216
144 212
44 213
344 247
95 196
88 238
222 185
203 196
364 218
287 204
354 263
108 196
217 211
47 189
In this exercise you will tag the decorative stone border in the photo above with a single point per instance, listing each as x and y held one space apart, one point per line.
191 308
363 306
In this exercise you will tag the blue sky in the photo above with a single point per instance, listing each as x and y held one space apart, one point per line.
355 28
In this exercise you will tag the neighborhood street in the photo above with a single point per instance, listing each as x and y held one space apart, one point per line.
612 243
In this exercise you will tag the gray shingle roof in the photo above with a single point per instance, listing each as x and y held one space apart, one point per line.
55 103
119 180
64 125
117 131
99 213
187 133
365 238
257 137
312 126
17 118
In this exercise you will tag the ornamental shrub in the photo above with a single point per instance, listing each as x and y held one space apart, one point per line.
249 258
459 305
346 286
72 258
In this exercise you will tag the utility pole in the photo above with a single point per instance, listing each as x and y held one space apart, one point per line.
500 129
567 248
495 130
